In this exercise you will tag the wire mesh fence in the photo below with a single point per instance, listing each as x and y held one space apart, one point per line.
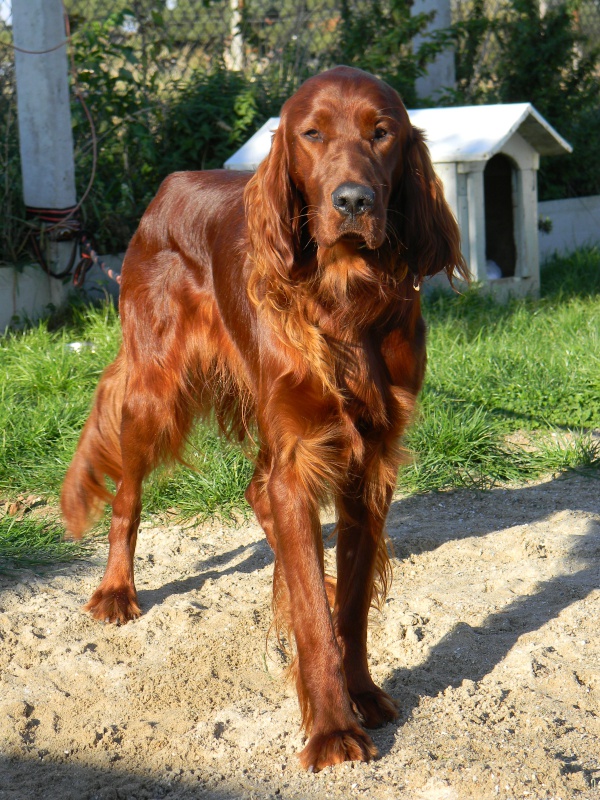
164 43
179 84
286 39
289 39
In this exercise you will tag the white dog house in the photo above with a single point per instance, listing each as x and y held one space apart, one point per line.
487 158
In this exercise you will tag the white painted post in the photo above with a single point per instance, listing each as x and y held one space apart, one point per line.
476 233
440 74
528 265
43 104
44 117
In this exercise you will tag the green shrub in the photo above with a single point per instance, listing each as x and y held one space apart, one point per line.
204 123
150 121
378 37
524 55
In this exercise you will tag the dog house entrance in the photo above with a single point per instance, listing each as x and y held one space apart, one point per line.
499 189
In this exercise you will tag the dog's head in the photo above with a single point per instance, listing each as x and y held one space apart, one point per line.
346 166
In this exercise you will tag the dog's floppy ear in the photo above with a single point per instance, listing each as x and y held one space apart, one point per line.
273 212
428 230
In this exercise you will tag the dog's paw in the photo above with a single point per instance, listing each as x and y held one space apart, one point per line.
374 708
335 747
114 605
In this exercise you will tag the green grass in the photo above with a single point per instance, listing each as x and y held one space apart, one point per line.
512 393
45 397
44 402
531 366
216 484
31 542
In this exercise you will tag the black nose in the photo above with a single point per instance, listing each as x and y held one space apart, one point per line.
352 199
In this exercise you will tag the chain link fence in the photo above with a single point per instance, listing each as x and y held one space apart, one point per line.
291 39
179 84
286 39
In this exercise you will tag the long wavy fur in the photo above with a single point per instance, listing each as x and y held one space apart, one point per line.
235 303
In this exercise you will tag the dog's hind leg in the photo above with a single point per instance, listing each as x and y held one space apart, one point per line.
154 423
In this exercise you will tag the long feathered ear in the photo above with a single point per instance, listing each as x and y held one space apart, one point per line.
428 230
273 214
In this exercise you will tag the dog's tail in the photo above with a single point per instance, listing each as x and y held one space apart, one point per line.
98 454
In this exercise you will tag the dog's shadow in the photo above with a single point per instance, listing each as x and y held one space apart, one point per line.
257 556
468 652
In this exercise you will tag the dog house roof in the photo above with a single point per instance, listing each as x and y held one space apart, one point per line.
476 133
465 133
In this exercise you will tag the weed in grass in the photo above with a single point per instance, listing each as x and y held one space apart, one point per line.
562 451
455 446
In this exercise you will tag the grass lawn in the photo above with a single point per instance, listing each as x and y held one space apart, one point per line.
512 393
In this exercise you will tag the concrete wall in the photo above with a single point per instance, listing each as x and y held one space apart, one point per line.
440 74
26 294
575 222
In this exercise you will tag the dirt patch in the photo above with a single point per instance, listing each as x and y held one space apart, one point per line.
489 640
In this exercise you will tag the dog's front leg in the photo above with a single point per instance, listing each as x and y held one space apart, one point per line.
335 735
362 560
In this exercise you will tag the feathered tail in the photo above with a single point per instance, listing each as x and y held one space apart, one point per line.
98 454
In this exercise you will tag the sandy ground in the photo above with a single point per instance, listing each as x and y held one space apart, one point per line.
489 640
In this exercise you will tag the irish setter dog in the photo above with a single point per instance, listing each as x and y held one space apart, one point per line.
287 303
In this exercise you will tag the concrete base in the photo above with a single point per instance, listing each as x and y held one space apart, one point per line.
504 289
501 290
28 294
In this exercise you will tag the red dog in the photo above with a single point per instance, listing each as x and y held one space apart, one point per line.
288 303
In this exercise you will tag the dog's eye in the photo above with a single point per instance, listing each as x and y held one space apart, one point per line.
380 132
313 134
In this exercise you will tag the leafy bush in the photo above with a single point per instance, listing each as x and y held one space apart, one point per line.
124 101
211 116
150 121
526 55
379 38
